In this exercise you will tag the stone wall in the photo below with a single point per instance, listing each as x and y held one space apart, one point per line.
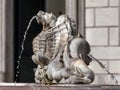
103 34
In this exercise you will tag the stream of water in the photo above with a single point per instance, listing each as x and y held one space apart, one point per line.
22 49
104 68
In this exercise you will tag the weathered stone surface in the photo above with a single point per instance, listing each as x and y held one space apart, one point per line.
26 86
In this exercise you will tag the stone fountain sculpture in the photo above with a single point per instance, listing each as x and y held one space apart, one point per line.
60 52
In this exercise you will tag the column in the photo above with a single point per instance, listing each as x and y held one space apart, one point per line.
81 16
75 10
2 40
6 41
9 54
71 8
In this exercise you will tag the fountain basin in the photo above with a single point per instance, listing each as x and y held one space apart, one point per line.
31 86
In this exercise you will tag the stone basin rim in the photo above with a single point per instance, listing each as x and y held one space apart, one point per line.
54 85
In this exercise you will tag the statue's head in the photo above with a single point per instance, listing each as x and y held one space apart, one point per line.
47 19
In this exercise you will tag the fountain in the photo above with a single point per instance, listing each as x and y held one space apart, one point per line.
61 53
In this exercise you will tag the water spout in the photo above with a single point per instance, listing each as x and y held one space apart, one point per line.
22 49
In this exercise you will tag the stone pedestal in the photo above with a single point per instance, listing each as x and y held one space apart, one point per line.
26 86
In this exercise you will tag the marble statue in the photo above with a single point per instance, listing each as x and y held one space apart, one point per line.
60 52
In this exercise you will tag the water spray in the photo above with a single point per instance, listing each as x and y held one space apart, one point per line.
22 49
104 68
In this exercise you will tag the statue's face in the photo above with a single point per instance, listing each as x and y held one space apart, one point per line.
45 18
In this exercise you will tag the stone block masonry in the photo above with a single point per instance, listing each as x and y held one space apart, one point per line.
106 16
103 34
114 36
97 36
96 3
